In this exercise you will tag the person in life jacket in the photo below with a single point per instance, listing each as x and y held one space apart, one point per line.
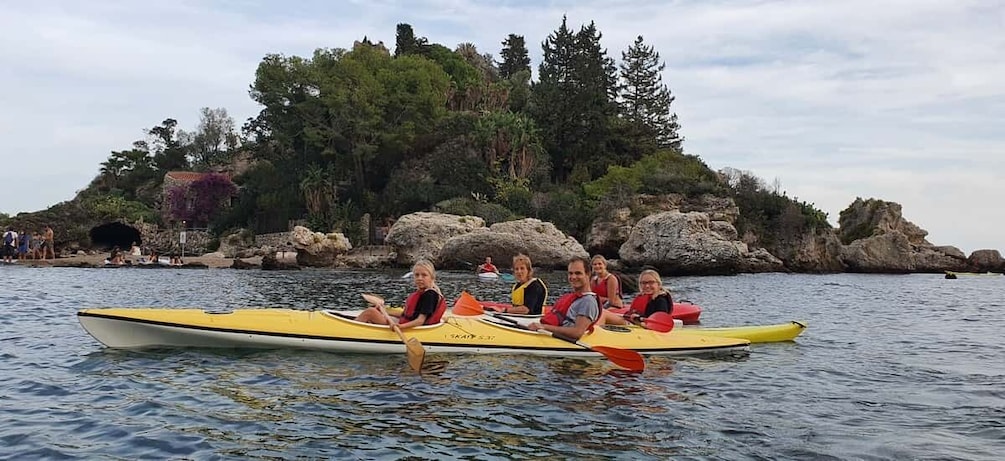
654 298
606 285
529 293
575 313
425 306
487 266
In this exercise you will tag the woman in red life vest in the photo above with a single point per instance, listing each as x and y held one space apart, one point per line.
575 313
425 306
654 298
529 293
606 285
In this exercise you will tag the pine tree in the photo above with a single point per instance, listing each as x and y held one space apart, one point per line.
514 54
646 100
405 41
574 100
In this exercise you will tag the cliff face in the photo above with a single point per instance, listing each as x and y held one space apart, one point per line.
879 240
697 236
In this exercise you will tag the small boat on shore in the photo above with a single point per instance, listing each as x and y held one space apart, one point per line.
336 331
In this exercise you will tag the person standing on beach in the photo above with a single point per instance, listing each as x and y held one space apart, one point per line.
22 247
36 245
48 243
9 244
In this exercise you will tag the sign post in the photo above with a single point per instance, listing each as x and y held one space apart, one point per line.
182 238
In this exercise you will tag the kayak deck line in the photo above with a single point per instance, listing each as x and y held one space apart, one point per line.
339 331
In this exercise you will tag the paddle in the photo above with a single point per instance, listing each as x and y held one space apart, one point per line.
466 304
413 348
659 321
508 278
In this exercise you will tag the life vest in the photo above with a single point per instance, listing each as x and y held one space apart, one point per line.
488 268
516 297
640 305
412 303
599 286
559 312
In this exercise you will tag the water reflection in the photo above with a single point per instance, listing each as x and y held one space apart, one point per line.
911 375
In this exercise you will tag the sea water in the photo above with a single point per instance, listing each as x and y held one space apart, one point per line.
891 367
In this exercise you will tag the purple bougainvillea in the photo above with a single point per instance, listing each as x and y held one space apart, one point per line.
201 200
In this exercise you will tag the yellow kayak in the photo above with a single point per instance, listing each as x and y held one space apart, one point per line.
337 331
755 333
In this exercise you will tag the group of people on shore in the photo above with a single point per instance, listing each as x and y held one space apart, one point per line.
118 258
22 245
596 298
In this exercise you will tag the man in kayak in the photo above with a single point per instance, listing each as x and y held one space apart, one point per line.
529 292
425 306
488 266
575 313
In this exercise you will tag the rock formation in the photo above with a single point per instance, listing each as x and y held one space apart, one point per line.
315 249
986 261
684 243
879 240
542 241
422 235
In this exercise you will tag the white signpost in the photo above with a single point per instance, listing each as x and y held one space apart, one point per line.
182 238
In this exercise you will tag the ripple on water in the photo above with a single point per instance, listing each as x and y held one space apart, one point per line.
890 368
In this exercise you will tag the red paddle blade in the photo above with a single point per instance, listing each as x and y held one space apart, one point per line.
659 321
624 358
467 305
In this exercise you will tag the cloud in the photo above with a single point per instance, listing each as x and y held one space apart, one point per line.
900 101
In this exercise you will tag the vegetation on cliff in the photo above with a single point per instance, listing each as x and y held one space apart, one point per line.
370 130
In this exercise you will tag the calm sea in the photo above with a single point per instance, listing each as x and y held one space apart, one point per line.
891 367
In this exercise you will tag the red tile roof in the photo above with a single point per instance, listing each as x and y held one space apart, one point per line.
187 176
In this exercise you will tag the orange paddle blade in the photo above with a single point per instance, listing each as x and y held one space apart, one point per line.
659 321
624 358
467 305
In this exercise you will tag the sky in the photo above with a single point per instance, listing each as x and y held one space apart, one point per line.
896 100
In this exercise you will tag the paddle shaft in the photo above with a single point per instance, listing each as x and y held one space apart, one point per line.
551 333
414 351
393 323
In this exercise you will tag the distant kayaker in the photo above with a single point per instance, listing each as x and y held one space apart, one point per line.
425 306
575 313
487 266
606 285
529 292
654 298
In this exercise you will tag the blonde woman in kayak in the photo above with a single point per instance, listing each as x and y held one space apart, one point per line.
425 306
653 298
529 293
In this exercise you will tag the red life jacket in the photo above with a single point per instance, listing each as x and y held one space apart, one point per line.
412 303
487 268
640 305
559 312
599 286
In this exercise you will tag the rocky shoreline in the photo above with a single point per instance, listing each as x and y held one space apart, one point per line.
680 237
